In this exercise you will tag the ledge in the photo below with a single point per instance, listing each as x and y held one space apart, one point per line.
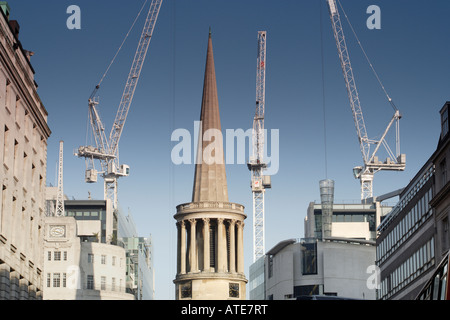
210 206
210 275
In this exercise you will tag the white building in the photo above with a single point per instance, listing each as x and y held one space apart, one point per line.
335 265
23 158
310 267
349 220
82 260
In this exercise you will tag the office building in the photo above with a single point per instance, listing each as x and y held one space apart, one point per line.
305 267
414 237
82 256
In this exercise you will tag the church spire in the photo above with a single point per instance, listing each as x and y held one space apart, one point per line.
210 182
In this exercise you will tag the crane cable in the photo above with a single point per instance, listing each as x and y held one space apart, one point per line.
120 48
368 60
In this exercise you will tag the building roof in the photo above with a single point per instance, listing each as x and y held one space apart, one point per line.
210 182
280 246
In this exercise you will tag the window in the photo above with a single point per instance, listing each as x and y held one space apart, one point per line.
113 260
56 280
64 280
49 256
309 258
103 283
49 279
270 266
444 122
113 284
445 234
307 290
103 259
90 282
90 258
57 256
65 255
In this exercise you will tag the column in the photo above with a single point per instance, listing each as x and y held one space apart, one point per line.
32 292
232 246
182 247
14 277
206 244
23 289
221 246
193 247
4 281
240 247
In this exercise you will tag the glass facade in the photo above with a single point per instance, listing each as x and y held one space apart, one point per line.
89 212
256 280
418 263
344 216
309 257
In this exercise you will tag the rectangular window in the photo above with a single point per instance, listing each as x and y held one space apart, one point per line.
270 266
90 282
444 122
103 283
56 280
65 255
57 256
113 260
49 279
309 258
113 284
103 259
90 258
49 256
64 280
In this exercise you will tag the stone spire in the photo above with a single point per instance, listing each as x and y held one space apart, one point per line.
210 181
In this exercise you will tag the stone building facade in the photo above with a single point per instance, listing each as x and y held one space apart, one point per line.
23 157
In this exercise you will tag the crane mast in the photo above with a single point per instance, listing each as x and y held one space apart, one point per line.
59 211
107 149
371 164
256 165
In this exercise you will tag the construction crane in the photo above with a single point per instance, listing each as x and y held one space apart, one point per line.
59 210
106 149
256 163
371 163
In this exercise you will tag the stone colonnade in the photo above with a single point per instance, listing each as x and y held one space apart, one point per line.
210 245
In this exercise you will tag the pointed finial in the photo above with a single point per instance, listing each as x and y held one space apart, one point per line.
210 31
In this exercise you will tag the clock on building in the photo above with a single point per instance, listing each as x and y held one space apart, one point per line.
57 231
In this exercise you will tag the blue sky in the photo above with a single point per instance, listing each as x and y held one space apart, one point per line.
409 52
